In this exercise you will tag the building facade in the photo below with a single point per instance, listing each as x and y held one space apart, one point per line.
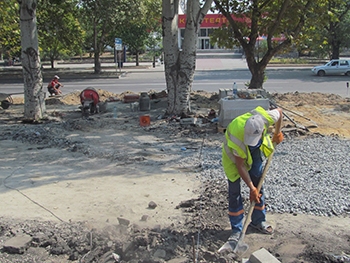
210 22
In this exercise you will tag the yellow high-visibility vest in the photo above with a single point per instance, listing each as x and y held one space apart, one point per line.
234 140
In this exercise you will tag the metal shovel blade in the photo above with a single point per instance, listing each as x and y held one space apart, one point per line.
240 249
228 246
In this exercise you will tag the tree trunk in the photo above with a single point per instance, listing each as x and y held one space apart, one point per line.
180 65
258 76
34 95
333 37
179 78
257 69
335 49
52 62
137 58
97 62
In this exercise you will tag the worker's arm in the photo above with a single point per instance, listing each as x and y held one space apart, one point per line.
278 135
278 124
242 170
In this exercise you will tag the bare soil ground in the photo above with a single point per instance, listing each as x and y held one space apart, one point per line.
105 189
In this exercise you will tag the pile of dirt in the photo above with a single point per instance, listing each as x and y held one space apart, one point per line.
74 99
326 114
312 98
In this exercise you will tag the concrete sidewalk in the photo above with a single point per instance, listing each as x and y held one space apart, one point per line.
201 64
86 70
111 70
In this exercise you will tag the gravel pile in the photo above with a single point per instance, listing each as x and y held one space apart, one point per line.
309 176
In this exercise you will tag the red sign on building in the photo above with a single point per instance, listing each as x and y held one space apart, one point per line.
210 20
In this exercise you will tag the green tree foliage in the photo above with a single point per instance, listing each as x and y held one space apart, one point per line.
144 29
153 16
132 21
10 35
60 33
345 32
247 20
136 32
327 32
103 21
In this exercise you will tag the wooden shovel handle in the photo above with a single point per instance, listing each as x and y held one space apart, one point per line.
252 204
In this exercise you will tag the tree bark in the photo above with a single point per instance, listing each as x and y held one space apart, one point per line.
335 50
257 67
335 42
180 65
52 62
97 61
34 95
137 58
258 76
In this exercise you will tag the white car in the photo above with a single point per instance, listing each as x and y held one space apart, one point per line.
333 67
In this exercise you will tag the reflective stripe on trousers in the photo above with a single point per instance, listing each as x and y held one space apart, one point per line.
235 205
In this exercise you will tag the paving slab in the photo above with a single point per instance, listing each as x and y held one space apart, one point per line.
17 244
263 256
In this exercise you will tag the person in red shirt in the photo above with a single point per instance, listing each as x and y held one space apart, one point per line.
54 86
89 99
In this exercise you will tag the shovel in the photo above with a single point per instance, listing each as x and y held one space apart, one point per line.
240 247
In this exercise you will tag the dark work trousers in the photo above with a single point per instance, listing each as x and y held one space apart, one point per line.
235 199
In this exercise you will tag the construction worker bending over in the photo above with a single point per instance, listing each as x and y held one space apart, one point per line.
246 139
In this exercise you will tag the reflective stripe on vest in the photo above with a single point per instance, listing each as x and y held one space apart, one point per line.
228 152
236 141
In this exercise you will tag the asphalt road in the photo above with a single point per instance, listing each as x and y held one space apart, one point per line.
280 80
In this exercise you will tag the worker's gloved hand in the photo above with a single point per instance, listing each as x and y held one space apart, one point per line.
254 196
278 138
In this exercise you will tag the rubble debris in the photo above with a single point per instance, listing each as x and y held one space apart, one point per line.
152 205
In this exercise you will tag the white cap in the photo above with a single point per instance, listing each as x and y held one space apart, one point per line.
253 130
56 77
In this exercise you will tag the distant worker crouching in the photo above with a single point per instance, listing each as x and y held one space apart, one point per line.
54 86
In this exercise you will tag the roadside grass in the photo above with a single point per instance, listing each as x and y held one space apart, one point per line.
299 61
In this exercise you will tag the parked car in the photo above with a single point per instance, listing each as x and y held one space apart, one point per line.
333 67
